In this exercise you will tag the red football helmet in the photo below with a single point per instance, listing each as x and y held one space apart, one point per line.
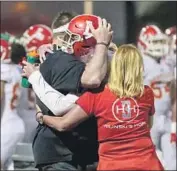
78 39
153 42
171 33
5 51
36 36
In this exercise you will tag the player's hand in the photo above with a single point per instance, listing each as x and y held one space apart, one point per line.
103 33
43 49
173 138
28 69
112 47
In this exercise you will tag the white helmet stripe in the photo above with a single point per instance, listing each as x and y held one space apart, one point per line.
61 29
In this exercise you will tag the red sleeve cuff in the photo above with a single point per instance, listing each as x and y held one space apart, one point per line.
83 107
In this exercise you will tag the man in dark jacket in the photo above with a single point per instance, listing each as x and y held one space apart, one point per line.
64 151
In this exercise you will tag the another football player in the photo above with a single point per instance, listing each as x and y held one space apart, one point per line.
31 39
153 44
12 126
168 142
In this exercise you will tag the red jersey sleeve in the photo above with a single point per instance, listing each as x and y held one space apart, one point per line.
86 102
151 100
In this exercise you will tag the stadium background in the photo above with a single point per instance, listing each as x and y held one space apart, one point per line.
126 17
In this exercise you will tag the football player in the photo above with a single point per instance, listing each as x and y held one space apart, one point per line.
153 45
169 139
31 39
12 126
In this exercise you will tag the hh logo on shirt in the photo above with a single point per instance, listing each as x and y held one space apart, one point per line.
125 109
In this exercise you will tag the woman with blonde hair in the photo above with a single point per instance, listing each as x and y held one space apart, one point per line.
122 109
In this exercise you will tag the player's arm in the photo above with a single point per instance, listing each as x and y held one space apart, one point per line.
173 102
96 69
68 121
53 99
57 102
81 112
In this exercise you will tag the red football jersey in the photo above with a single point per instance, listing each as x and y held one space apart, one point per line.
123 131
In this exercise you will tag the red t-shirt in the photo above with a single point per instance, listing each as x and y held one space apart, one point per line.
122 122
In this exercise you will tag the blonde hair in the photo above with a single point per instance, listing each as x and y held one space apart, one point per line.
126 72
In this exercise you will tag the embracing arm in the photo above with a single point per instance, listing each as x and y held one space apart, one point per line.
68 121
85 106
54 100
96 69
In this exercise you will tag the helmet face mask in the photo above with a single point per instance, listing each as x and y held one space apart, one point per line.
78 39
67 41
157 48
153 42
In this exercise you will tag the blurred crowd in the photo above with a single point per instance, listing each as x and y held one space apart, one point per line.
18 99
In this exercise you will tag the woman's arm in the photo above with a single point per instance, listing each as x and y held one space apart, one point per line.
66 122
54 100
85 106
